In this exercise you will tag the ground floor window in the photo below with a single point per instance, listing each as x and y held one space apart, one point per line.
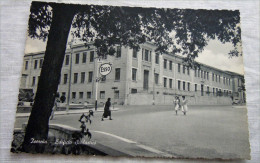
102 94
116 94
133 90
73 95
88 95
80 95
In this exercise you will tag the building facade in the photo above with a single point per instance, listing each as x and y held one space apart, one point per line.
141 77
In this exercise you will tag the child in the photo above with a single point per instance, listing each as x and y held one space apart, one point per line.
177 104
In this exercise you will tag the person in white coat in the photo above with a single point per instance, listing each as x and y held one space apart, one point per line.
177 104
184 105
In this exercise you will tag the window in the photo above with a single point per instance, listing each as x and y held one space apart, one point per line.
224 80
146 55
204 74
179 67
216 78
195 89
63 94
165 82
67 60
26 65
77 58
41 61
118 51
134 52
183 86
183 69
65 78
170 83
88 95
216 91
102 94
80 95
219 78
91 56
188 70
201 74
117 74
35 64
228 81
179 85
165 63
207 75
212 76
198 73
75 77
157 58
213 91
90 76
202 90
170 65
208 90
188 86
84 57
133 90
117 94
195 72
82 77
73 95
156 78
33 81
134 74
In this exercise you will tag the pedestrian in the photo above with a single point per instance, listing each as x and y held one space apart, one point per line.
184 105
107 111
177 104
54 108
62 99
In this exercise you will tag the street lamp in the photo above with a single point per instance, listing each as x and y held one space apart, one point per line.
68 98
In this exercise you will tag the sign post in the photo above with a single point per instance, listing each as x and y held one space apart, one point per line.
104 69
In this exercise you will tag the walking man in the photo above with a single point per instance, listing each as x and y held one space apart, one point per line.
107 111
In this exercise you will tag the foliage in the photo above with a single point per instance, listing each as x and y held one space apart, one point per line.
183 31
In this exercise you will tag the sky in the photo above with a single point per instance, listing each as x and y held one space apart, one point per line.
215 55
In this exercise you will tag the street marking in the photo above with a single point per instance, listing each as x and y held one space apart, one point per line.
115 136
139 145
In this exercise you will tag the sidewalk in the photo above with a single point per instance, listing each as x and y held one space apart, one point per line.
75 111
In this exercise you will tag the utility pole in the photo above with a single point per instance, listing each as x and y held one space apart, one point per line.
70 71
154 86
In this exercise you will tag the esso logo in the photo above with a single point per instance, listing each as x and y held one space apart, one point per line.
105 69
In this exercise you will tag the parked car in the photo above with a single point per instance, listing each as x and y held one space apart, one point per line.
236 101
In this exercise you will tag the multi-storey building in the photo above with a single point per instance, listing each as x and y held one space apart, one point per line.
141 77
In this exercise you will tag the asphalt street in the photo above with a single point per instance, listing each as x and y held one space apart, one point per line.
205 132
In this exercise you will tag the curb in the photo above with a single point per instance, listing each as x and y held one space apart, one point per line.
19 115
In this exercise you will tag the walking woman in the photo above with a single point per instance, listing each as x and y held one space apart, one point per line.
184 105
107 111
177 104
55 105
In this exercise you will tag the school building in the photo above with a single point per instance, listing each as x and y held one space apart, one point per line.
141 77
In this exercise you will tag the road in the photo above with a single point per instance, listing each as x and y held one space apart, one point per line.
205 132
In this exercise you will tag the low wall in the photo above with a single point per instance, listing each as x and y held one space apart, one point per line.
147 99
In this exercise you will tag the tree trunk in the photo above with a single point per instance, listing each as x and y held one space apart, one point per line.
38 123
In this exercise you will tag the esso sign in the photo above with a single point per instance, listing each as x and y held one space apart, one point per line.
105 69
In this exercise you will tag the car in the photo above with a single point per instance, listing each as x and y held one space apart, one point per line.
235 101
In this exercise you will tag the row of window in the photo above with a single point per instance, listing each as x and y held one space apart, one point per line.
36 66
91 56
102 95
90 77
